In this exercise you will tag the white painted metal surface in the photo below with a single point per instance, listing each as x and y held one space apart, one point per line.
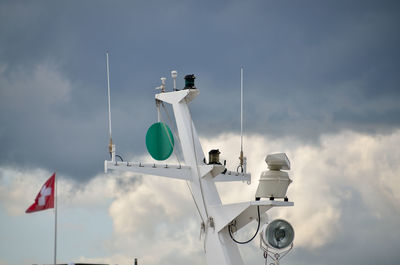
220 249
273 183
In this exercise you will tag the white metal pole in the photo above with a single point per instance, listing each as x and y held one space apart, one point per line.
55 219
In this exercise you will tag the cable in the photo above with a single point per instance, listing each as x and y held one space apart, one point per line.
197 207
197 167
173 132
258 227
120 157
177 137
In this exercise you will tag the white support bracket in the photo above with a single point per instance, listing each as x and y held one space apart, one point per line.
220 174
243 213
214 170
233 176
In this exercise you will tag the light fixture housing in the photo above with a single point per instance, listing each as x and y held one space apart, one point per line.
278 234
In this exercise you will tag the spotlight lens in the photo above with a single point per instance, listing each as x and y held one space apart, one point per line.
279 234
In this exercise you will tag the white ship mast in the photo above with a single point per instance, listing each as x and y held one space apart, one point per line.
218 218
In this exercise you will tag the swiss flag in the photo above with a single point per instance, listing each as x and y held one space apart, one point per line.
45 198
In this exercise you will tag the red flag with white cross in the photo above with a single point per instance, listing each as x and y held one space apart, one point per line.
45 198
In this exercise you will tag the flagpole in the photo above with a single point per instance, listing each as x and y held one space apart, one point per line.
55 220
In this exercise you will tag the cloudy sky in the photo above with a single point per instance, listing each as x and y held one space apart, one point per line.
321 84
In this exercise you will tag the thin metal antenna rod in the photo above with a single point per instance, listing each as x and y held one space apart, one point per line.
241 158
241 109
109 104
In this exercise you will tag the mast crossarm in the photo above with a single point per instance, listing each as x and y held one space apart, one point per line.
243 213
162 170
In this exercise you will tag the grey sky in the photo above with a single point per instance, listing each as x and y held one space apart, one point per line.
310 68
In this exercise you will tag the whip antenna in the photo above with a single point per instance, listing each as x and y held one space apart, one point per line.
241 158
109 105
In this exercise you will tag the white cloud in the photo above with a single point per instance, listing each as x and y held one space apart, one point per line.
153 197
97 192
154 218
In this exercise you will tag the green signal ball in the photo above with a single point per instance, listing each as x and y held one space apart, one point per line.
159 141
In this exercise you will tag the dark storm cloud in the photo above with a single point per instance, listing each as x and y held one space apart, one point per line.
310 68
